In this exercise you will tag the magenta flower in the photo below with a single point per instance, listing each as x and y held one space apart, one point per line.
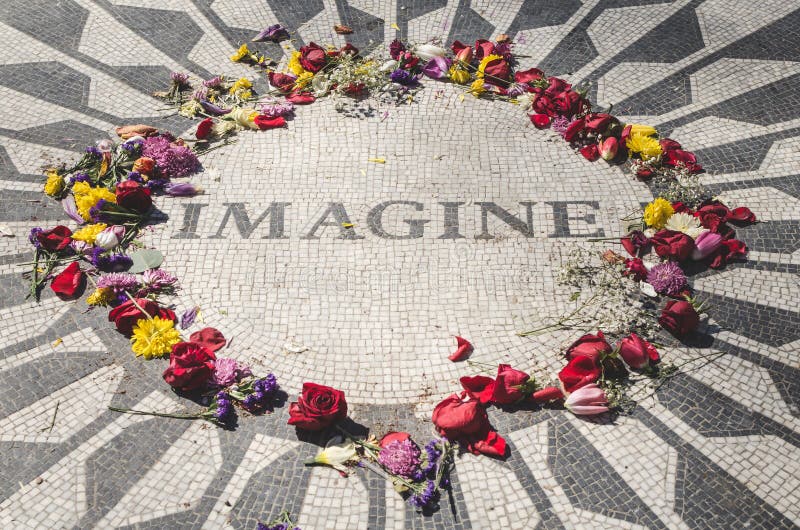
437 67
667 278
119 281
228 372
274 33
157 279
705 244
400 457
182 189
587 400
173 160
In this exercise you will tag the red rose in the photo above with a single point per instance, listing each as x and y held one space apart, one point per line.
497 72
679 318
478 387
467 422
190 366
568 103
672 245
712 215
729 249
528 76
133 196
483 48
635 269
579 371
317 407
598 122
313 57
57 238
595 347
637 352
265 122
282 82
556 86
125 315
70 282
210 338
509 385
540 121
396 47
392 436
204 129
634 242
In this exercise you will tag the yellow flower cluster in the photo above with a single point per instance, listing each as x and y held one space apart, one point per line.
458 75
86 197
55 183
482 66
657 213
241 53
643 142
89 232
477 88
294 65
241 88
154 337
303 80
101 296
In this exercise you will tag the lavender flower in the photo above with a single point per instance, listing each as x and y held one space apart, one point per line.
228 371
263 393
274 33
173 160
273 108
187 319
433 455
110 262
266 385
94 152
119 281
400 457
224 412
403 77
136 177
182 189
82 177
425 498
157 279
560 125
32 236
179 79
667 278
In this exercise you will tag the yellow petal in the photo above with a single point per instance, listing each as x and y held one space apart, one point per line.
395 26
378 160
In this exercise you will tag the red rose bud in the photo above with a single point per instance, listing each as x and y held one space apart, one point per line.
70 282
125 315
510 385
579 371
317 407
265 122
706 244
635 269
392 436
313 57
540 121
282 82
131 195
528 76
672 245
190 366
679 318
204 129
463 349
637 352
210 338
590 152
595 347
609 148
551 393
57 238
478 387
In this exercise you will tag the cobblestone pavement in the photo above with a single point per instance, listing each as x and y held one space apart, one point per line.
371 309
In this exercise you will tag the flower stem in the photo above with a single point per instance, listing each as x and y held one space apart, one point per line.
159 414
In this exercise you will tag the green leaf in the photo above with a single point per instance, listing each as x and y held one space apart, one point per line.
575 296
146 259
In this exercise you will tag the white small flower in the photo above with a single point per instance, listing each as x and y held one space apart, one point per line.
686 223
388 66
336 456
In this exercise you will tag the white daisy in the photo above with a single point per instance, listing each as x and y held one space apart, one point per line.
686 223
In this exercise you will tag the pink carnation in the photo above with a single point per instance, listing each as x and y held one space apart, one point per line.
173 160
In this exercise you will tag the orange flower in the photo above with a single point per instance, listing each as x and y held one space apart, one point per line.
144 165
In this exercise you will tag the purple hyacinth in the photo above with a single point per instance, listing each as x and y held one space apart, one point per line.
32 236
224 413
425 498
403 77
667 278
400 457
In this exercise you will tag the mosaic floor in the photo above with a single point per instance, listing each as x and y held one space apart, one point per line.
434 250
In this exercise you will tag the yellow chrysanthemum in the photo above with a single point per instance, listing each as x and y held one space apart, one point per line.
154 337
101 296
482 66
86 197
89 232
477 88
241 53
55 183
239 86
647 146
458 75
638 129
294 65
657 212
303 80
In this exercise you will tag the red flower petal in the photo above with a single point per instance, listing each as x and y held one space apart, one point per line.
209 337
548 394
492 445
265 122
301 98
70 282
540 120
478 387
204 129
463 351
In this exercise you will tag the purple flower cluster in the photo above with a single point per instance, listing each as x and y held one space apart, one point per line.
560 125
173 160
667 278
425 498
400 457
224 412
403 77
32 236
214 82
273 109
132 146
118 281
80 177
94 152
109 262
180 79
263 393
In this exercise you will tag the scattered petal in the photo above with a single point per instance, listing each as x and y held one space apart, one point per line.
378 160
463 350
341 29
211 338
